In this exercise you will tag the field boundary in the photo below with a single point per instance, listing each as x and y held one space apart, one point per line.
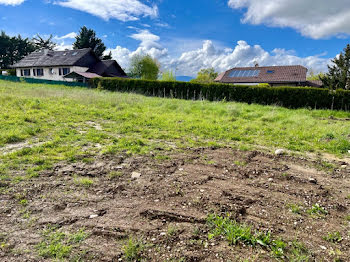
286 96
40 81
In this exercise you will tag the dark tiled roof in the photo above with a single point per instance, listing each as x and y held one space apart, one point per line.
314 83
84 74
52 58
101 66
268 74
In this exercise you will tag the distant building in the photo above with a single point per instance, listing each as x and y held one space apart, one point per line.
272 75
70 65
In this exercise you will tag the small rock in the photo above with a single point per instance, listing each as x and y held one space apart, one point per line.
313 180
349 151
202 190
135 175
153 239
162 233
323 247
270 179
93 216
280 152
343 166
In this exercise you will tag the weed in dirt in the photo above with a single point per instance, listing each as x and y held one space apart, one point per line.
23 202
333 237
347 218
240 163
25 214
133 250
115 174
236 233
317 211
295 208
60 245
172 230
298 252
83 181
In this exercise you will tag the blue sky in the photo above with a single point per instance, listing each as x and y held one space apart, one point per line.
189 35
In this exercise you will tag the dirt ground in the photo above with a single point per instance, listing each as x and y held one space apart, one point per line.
165 202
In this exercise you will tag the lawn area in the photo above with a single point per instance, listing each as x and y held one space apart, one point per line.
90 175
41 125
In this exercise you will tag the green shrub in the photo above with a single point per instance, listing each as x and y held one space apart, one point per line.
291 97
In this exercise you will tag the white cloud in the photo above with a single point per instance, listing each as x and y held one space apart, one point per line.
243 54
11 2
71 35
123 10
63 46
149 44
222 58
315 19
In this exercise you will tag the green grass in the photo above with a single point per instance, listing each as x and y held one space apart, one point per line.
333 237
317 211
241 234
83 181
133 250
57 123
59 245
295 208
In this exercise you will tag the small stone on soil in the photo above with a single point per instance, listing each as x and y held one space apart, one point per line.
313 180
93 216
135 175
280 152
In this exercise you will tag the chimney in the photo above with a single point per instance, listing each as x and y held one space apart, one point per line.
256 64
46 52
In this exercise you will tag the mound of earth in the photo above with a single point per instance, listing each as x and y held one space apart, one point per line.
165 201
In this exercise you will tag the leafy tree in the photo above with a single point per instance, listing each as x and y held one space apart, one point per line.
144 67
338 76
13 49
168 76
205 76
313 76
41 43
87 39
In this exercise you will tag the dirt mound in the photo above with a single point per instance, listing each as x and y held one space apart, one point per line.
166 202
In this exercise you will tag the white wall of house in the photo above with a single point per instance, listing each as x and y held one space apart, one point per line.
51 73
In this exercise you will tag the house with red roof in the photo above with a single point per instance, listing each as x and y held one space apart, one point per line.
295 75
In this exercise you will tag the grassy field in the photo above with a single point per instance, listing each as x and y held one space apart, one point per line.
89 175
55 123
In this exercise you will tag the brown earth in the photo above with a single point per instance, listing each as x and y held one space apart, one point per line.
168 200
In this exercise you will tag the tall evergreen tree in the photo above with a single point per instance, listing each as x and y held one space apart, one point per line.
87 39
42 43
13 49
338 76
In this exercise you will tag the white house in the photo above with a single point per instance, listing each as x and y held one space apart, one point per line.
70 65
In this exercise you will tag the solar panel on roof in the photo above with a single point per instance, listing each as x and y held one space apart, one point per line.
244 73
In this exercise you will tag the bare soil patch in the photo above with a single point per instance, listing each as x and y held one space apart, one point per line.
167 205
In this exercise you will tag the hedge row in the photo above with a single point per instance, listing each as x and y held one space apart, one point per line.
291 97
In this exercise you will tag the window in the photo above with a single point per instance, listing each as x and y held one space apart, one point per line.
40 72
270 71
64 71
25 72
51 71
244 73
